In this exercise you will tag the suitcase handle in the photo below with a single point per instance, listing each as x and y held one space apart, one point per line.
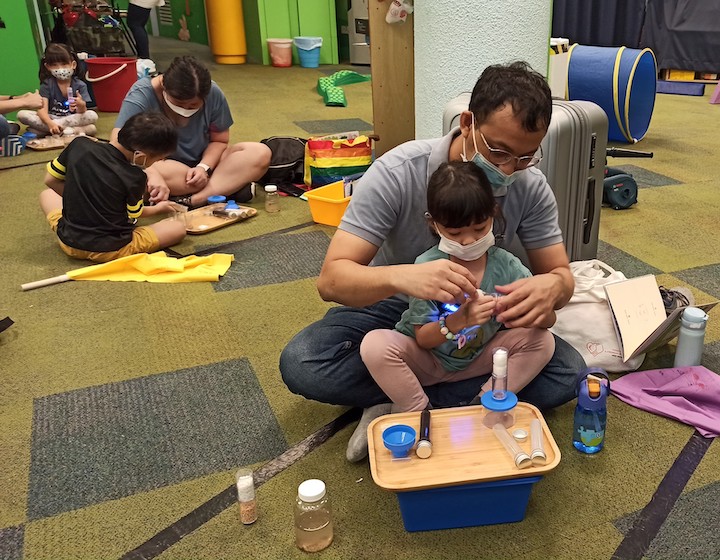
591 211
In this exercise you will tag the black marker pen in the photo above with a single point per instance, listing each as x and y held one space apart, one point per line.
424 447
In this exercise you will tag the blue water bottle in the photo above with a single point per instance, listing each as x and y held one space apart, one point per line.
593 388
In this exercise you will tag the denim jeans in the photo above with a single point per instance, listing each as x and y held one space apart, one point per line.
137 18
4 127
322 362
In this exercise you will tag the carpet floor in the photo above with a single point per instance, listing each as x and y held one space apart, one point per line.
126 407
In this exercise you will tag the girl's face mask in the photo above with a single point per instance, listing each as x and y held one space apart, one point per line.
187 113
63 73
470 252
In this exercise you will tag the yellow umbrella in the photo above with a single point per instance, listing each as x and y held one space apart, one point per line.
142 267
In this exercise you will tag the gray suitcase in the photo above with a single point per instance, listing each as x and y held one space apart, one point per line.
574 164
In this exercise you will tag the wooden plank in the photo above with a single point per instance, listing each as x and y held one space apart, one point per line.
464 450
392 64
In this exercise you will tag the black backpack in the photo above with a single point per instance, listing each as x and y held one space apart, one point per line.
288 157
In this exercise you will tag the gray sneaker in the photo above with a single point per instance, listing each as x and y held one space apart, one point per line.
676 297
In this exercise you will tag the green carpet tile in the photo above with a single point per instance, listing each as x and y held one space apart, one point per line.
273 261
110 441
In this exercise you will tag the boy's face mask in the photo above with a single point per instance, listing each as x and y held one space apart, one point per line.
139 159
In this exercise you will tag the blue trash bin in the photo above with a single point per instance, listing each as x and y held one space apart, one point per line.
308 49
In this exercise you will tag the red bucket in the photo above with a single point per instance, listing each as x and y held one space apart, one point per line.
111 78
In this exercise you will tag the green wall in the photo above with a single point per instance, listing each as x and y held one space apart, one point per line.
21 47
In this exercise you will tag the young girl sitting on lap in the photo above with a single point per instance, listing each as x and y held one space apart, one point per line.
60 112
96 192
430 345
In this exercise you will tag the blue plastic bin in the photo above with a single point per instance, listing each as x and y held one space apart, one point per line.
467 505
308 49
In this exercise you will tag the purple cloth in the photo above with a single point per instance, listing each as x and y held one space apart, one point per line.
688 394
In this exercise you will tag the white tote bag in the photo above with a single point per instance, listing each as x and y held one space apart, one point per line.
586 322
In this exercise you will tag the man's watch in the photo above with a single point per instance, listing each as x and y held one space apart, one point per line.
206 167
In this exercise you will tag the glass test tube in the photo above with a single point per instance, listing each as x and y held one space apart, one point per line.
520 458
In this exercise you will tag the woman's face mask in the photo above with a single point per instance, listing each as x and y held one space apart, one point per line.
64 73
187 113
470 252
498 180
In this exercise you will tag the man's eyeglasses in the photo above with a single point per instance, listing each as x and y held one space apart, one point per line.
501 157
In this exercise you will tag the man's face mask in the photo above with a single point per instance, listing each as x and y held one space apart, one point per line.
498 180
62 73
187 113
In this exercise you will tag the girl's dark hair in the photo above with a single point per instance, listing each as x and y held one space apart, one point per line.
54 53
519 85
152 133
459 195
187 78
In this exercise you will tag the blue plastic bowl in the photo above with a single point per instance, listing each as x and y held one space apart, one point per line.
399 439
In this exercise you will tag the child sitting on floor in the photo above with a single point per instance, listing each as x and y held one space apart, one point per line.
65 97
96 192
430 345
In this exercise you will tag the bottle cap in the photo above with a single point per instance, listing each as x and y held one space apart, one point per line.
270 188
520 434
311 490
694 318
423 449
214 199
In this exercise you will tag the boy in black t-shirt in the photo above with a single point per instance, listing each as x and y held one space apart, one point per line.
96 192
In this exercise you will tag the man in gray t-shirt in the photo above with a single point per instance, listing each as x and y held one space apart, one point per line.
369 264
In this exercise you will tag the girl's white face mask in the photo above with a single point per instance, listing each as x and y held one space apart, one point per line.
471 252
187 113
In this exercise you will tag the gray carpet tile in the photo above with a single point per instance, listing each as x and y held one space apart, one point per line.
706 278
690 529
333 126
646 178
274 259
11 542
624 262
109 441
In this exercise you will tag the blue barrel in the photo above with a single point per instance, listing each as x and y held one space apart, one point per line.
622 81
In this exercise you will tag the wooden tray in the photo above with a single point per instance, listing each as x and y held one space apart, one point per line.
53 142
202 220
464 450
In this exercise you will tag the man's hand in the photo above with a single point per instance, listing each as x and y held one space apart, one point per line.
197 178
530 302
441 280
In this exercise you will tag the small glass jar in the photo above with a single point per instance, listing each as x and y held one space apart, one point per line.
245 483
313 517
272 199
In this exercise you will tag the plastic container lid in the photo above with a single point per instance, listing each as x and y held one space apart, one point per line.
496 405
270 188
520 434
311 490
214 199
231 205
